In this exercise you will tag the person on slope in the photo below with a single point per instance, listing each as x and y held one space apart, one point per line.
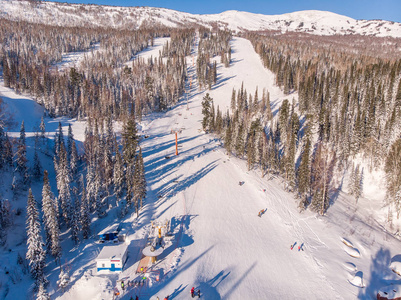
192 292
198 293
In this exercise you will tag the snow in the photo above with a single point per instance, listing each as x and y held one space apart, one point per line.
390 292
218 244
310 21
115 251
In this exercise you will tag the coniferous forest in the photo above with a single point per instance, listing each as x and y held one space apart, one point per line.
343 105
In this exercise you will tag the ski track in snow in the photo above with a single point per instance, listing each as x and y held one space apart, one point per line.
221 246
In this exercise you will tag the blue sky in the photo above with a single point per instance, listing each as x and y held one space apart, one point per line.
358 9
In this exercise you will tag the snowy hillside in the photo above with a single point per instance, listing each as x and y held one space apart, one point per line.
314 22
219 244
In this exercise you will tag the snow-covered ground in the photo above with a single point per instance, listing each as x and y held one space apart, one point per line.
219 243
309 21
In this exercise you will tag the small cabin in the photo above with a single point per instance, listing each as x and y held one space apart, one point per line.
109 234
112 258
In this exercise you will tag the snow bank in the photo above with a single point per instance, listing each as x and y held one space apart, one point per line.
352 252
395 265
357 280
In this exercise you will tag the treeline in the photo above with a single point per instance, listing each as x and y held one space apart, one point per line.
350 95
210 45
349 105
108 176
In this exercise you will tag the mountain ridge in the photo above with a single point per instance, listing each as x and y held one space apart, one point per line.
308 21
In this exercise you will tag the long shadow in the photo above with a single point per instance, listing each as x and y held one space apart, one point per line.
380 275
167 277
237 283
209 288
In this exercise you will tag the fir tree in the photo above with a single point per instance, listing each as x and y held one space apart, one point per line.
35 254
304 176
130 141
63 184
50 218
42 293
37 167
58 139
142 180
42 128
75 222
118 175
322 172
84 212
64 279
206 103
21 162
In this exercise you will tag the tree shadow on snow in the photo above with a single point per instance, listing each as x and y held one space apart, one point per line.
209 288
380 275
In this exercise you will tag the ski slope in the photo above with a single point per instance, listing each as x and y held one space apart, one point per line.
220 245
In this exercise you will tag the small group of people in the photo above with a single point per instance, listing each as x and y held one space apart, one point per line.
193 292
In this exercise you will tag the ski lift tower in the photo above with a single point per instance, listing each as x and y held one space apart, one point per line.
176 131
154 250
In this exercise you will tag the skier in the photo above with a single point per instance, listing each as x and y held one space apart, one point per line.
192 292
122 284
136 297
199 293
166 297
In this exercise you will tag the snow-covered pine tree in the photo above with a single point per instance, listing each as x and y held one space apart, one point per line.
393 172
304 176
130 140
63 184
37 167
206 103
42 128
50 218
8 152
21 160
118 175
42 293
75 217
322 173
58 139
357 180
84 211
64 279
35 254
130 183
74 159
142 180
70 139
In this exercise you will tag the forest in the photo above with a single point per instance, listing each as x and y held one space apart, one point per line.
348 106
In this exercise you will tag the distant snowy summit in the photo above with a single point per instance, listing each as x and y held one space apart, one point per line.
310 21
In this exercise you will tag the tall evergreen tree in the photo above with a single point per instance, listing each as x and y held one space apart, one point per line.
42 128
130 141
42 293
84 211
37 167
21 162
50 218
35 254
206 104
304 176
63 184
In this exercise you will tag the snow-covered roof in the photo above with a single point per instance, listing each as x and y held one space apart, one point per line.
115 251
112 228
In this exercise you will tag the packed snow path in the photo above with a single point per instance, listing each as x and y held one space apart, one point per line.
229 252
